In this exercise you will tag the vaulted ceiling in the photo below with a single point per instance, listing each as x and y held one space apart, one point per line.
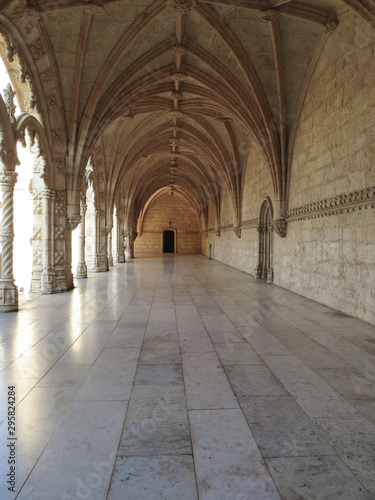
174 92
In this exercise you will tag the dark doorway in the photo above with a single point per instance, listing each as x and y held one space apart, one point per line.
168 246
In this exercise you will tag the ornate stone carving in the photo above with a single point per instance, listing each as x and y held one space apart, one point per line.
9 95
37 233
59 165
58 135
37 49
10 50
18 13
73 221
94 7
46 76
280 227
37 258
101 178
181 6
270 15
59 258
237 231
60 208
363 198
59 233
51 100
179 76
330 26
37 207
179 49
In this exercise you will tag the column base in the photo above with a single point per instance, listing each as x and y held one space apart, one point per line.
48 284
258 272
81 271
8 297
120 258
110 261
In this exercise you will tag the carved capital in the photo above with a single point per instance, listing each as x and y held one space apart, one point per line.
8 178
280 226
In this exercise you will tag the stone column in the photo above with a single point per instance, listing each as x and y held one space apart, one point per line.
109 244
48 282
8 289
120 241
82 267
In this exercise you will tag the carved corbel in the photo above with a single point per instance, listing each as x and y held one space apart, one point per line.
73 221
280 226
237 231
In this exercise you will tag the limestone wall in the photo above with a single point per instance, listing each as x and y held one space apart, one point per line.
156 220
331 258
242 253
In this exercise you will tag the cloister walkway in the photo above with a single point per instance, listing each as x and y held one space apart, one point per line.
181 378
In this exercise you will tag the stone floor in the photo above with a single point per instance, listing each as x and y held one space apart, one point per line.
181 378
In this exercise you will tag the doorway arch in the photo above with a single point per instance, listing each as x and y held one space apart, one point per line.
264 269
169 242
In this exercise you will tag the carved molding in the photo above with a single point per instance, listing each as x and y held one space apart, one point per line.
355 200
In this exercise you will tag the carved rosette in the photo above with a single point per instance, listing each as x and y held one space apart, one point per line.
280 226
181 6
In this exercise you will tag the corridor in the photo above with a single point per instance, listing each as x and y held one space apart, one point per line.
181 378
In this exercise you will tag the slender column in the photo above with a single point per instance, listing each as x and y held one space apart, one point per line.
48 284
82 266
109 245
8 289
120 241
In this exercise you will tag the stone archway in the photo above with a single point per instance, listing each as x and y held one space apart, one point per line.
264 269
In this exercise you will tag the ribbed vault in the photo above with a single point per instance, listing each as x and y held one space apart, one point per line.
172 92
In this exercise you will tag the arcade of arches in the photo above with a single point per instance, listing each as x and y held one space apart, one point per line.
247 125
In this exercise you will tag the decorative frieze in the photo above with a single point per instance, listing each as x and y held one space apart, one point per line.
356 200
37 49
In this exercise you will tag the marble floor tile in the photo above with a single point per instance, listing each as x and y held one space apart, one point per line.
315 478
144 478
234 353
253 380
206 383
227 459
353 439
80 457
281 428
158 375
156 422
160 351
121 379
65 376
111 377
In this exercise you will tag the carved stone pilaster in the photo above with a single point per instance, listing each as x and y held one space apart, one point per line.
82 266
8 289
280 226
48 277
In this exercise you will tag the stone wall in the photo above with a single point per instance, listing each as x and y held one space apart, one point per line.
329 258
156 220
